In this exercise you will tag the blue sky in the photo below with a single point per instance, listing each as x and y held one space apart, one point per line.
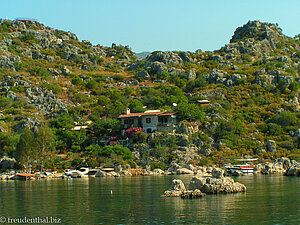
156 24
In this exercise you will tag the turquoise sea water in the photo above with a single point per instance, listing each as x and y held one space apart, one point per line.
136 200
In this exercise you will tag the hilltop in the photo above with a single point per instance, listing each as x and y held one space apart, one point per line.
51 79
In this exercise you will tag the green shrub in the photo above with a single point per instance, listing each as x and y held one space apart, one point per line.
80 98
38 71
187 111
77 80
163 75
77 161
55 88
18 89
96 59
118 77
284 119
271 129
294 86
91 84
117 149
115 68
158 165
27 37
102 100
5 102
19 66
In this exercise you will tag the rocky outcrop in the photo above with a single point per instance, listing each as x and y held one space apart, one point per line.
255 38
293 170
8 60
168 58
191 75
282 166
192 194
65 45
271 78
217 76
7 163
220 77
257 30
158 172
143 75
42 99
201 185
211 185
184 171
217 173
187 128
45 100
32 123
176 189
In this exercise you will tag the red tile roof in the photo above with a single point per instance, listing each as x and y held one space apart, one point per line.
146 114
166 114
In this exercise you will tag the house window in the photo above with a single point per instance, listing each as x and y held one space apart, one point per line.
125 121
131 121
163 119
148 120
140 124
149 130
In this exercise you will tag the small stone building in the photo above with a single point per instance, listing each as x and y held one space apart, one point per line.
150 121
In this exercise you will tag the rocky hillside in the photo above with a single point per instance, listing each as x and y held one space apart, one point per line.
50 77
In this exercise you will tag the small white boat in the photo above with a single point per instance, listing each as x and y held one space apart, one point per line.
245 168
81 171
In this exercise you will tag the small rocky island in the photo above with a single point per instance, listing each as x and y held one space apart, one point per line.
202 185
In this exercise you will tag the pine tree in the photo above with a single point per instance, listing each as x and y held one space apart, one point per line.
26 148
45 140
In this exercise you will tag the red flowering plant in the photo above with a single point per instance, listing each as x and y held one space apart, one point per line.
113 141
137 134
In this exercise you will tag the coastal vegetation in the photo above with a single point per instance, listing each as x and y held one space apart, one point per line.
60 99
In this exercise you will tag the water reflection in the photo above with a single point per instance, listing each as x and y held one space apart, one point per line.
272 199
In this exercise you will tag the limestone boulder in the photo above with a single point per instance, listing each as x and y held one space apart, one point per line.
217 173
158 172
101 173
184 171
142 74
210 185
176 189
294 170
192 194
191 75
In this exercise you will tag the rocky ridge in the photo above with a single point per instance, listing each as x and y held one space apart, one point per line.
46 72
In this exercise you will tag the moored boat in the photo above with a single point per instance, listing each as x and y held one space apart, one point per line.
26 176
245 168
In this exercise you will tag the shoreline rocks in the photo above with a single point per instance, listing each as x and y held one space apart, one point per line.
177 188
201 185
211 185
281 166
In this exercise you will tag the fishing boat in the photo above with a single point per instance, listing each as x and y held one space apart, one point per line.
26 176
246 168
